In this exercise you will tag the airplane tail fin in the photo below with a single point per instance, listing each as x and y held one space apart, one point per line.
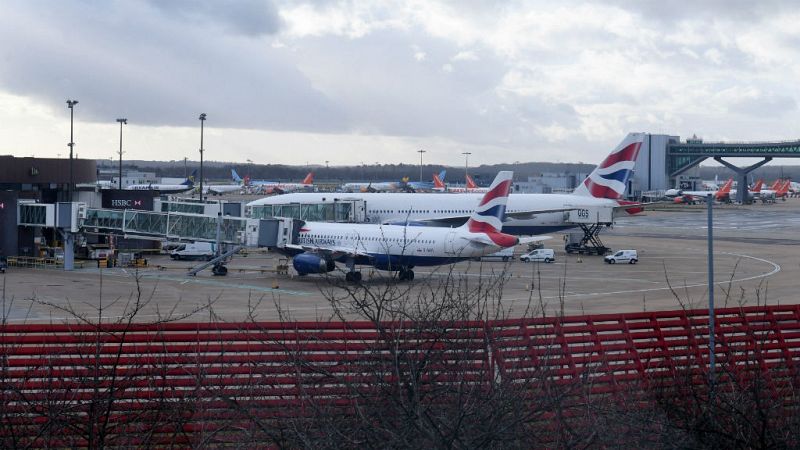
190 181
437 182
776 185
491 211
471 183
309 179
757 187
610 178
235 176
442 174
724 190
784 189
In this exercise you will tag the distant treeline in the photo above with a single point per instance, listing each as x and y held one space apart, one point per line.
382 172
390 172
767 172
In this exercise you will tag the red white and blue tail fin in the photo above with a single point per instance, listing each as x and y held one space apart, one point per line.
610 178
490 213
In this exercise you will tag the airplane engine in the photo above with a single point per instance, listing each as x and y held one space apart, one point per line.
306 263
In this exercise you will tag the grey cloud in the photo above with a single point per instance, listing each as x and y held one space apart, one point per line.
669 12
248 17
766 105
387 91
127 60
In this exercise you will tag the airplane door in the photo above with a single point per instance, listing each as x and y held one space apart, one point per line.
450 243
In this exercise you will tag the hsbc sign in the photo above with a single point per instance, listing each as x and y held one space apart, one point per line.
118 203
127 200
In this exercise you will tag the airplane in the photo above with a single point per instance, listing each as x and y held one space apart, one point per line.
219 189
793 189
782 191
187 185
527 214
779 189
470 186
392 186
398 248
274 187
425 185
722 194
380 186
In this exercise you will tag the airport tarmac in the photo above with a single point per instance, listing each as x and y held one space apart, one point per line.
756 260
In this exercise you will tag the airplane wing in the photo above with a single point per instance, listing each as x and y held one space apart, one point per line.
529 239
639 204
332 252
448 221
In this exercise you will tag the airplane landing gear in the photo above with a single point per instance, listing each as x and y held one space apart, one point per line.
353 277
405 275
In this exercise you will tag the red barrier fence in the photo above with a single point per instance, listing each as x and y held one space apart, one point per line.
81 383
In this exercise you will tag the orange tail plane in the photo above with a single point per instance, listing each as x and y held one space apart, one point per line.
725 190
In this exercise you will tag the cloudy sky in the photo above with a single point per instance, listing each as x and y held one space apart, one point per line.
358 81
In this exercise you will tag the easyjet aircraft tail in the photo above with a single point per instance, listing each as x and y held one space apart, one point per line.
438 183
784 189
725 190
309 179
471 183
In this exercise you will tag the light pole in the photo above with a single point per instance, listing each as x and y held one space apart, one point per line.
711 313
466 165
202 121
121 123
420 163
71 104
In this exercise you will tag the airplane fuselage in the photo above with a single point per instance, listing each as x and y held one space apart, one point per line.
392 246
382 208
160 187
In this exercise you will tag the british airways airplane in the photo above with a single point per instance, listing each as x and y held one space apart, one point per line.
527 214
401 248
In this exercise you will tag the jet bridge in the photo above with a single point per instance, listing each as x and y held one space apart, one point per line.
344 210
72 218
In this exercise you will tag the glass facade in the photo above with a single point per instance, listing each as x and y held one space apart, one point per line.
32 214
340 211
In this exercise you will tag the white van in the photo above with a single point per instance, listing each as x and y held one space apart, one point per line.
195 250
541 254
628 256
504 254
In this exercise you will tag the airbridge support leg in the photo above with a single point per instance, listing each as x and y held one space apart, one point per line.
69 251
741 176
